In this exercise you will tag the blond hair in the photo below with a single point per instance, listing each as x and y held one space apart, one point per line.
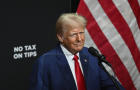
69 21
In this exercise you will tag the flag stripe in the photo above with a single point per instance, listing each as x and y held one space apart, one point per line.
139 2
136 9
102 43
129 17
120 24
88 41
112 35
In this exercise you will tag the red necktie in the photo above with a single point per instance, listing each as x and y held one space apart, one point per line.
79 76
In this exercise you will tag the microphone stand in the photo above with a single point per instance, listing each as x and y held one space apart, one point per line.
102 59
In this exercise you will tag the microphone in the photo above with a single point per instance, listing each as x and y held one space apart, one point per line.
101 57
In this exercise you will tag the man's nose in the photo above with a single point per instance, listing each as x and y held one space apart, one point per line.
79 37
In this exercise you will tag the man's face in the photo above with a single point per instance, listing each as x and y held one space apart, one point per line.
73 39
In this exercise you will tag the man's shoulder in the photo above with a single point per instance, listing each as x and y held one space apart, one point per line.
47 57
53 51
85 50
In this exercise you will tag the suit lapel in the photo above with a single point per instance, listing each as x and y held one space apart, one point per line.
65 70
84 62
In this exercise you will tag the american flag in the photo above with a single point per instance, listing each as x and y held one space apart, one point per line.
113 28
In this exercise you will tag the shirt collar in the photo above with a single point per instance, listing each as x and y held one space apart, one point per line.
67 53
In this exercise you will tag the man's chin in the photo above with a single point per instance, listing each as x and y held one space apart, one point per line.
79 49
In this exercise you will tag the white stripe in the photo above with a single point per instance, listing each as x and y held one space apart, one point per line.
127 13
139 2
88 41
115 39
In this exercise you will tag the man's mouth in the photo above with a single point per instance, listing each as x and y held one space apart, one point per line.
78 44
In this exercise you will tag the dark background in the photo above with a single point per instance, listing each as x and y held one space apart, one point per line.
27 22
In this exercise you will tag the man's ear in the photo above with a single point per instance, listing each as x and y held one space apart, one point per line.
60 38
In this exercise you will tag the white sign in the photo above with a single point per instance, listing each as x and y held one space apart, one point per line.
26 51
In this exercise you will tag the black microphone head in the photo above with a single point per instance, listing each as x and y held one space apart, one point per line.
93 51
101 57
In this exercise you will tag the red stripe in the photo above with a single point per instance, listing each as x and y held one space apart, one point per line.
136 9
105 47
122 27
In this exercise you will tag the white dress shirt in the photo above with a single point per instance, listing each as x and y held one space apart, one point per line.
69 56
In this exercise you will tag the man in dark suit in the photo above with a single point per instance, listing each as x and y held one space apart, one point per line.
70 66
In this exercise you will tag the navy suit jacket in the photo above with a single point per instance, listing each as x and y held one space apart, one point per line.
52 72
